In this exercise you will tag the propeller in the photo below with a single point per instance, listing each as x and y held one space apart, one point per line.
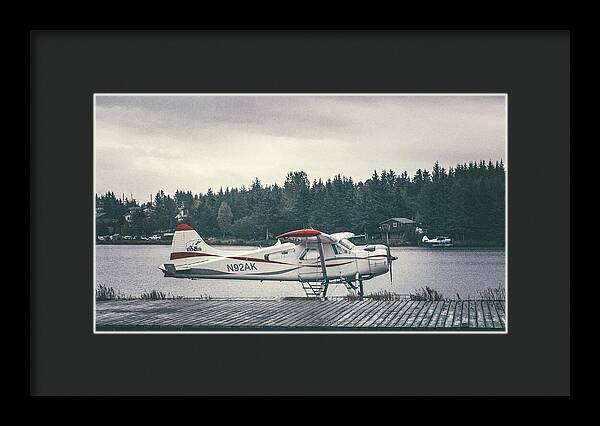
390 259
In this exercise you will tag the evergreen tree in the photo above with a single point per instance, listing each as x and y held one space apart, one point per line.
465 202
225 218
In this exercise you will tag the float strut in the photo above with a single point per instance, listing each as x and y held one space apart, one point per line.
323 267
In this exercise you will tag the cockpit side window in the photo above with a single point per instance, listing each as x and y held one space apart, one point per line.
310 254
340 249
346 244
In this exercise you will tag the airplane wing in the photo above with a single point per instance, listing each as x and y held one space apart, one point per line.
302 235
342 235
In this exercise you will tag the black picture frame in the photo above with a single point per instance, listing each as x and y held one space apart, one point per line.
66 68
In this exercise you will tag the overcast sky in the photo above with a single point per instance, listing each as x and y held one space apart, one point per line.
147 143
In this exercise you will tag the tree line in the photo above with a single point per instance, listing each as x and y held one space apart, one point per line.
465 202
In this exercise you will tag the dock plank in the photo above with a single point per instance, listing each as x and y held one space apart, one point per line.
406 314
390 314
389 306
441 320
457 317
284 313
472 315
479 311
426 315
462 320
450 314
436 314
252 315
218 316
338 310
413 315
358 316
303 316
394 316
487 314
500 310
357 306
318 317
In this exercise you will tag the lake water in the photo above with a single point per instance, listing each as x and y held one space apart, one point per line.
133 269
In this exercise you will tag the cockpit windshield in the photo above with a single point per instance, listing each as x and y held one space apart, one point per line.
346 243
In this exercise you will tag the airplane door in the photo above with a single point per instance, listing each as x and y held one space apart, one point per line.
345 263
310 263
312 270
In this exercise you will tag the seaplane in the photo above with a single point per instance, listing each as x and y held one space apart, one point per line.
311 257
437 242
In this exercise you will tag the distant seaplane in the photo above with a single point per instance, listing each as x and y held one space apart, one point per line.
309 256
437 242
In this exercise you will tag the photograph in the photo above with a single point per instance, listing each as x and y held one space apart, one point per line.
300 213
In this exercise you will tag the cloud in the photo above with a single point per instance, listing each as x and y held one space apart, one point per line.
147 143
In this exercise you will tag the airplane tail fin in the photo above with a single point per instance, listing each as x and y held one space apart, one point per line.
187 243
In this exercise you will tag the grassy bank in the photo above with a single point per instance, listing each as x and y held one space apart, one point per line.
426 293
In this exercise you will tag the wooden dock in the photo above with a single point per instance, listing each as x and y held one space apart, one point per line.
299 315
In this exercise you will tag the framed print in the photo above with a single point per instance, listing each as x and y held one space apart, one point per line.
213 210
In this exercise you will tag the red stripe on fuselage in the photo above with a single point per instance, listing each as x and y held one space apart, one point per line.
254 259
184 254
326 265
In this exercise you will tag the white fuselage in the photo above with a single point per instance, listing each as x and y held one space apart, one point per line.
282 262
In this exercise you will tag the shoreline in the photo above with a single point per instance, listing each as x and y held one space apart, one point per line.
456 246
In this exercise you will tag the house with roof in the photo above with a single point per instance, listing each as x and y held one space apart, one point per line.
398 228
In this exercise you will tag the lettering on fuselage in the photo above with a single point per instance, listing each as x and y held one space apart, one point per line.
240 267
